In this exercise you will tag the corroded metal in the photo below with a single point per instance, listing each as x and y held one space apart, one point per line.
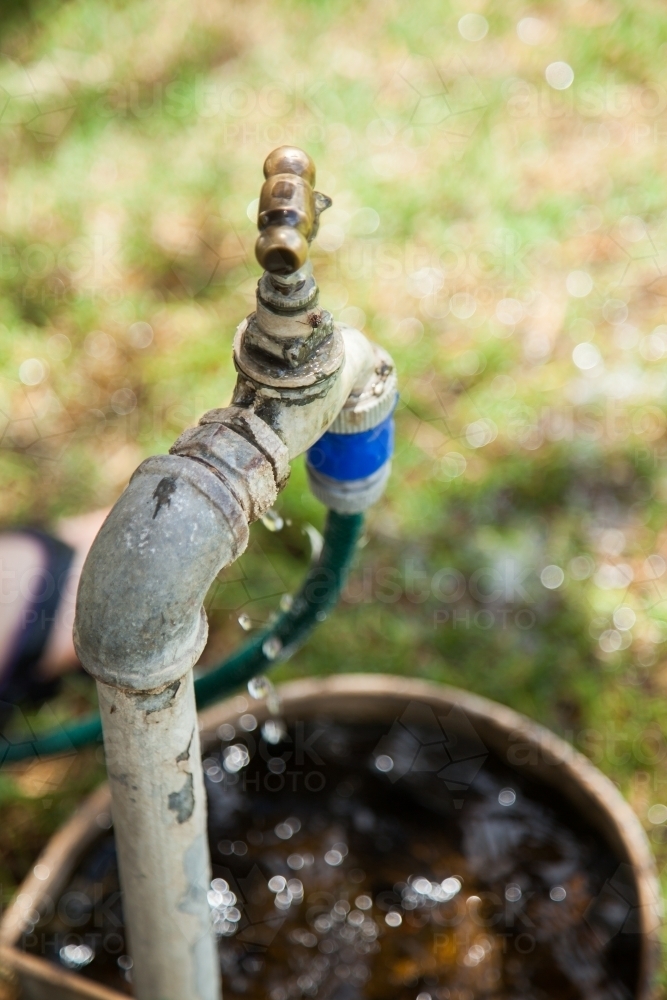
240 464
318 358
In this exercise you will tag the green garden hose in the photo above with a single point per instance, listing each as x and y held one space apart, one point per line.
311 605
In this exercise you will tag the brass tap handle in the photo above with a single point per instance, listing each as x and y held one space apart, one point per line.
289 211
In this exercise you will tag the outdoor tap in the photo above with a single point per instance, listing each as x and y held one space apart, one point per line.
298 369
289 211
305 384
288 324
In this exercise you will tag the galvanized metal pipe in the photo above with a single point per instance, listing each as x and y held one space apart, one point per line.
140 627
153 756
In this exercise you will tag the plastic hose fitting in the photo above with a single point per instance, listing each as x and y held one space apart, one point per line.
349 466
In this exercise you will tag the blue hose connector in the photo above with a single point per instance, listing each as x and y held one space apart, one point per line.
349 466
347 457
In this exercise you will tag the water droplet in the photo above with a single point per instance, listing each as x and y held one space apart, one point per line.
259 687
558 894
272 647
76 956
245 622
273 703
384 763
286 602
507 797
235 757
450 886
333 858
283 900
226 732
274 730
272 520
248 722
393 919
212 770
513 892
422 886
316 541
295 886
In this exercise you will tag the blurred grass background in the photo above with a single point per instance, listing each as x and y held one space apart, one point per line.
499 225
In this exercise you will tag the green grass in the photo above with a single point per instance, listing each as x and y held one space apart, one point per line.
126 202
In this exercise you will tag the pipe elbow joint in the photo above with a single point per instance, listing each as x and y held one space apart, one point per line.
140 622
